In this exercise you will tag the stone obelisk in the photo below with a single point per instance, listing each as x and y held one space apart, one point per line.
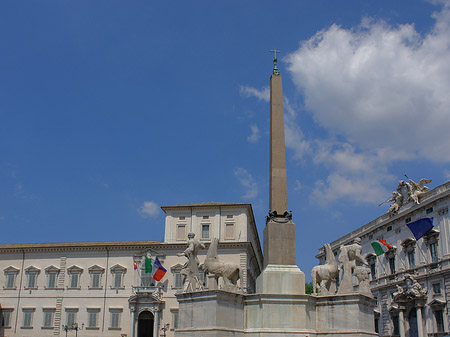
281 274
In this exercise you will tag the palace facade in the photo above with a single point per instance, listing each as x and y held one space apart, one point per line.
427 260
93 289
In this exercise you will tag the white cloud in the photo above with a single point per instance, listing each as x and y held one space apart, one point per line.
384 88
294 137
354 175
246 180
255 135
298 185
263 94
149 209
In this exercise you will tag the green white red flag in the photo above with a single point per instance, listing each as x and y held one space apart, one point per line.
380 247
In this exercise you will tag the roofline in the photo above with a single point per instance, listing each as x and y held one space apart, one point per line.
67 245
206 205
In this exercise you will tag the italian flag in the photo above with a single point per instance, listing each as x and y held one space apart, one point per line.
380 247
148 265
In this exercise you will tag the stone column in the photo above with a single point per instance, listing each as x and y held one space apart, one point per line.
401 323
132 322
419 321
156 323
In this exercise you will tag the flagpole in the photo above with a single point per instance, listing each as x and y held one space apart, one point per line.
401 260
423 254
382 265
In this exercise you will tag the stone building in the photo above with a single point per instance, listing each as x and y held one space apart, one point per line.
427 260
46 286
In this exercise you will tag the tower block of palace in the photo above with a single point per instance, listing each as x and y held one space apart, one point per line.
281 274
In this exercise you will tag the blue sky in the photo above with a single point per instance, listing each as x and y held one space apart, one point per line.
110 109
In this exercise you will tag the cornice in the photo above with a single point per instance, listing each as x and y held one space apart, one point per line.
103 246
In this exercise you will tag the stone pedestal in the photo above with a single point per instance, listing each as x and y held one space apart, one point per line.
281 279
217 313
214 313
279 243
345 315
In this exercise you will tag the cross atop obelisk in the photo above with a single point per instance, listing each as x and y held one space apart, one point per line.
275 68
279 234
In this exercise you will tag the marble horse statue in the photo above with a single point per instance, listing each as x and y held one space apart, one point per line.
230 272
324 276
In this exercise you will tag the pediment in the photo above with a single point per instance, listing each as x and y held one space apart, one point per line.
437 302
176 267
11 270
74 269
96 268
118 268
32 269
52 269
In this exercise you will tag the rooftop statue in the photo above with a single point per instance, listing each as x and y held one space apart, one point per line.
406 192
190 268
230 272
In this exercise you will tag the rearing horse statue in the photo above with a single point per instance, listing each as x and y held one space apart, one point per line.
230 272
324 276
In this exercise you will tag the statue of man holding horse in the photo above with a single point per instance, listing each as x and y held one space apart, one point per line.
190 268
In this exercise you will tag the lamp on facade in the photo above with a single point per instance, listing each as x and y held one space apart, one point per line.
165 328
74 326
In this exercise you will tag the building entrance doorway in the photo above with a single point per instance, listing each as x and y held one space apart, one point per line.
413 331
145 324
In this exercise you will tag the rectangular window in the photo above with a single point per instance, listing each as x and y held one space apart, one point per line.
118 280
229 216
71 316
93 318
206 217
411 260
95 280
27 318
433 252
229 231
203 278
396 326
48 318
10 281
439 320
178 280
74 280
5 318
175 319
51 281
373 271
115 318
436 288
32 280
205 231
182 218
429 210
181 232
392 264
